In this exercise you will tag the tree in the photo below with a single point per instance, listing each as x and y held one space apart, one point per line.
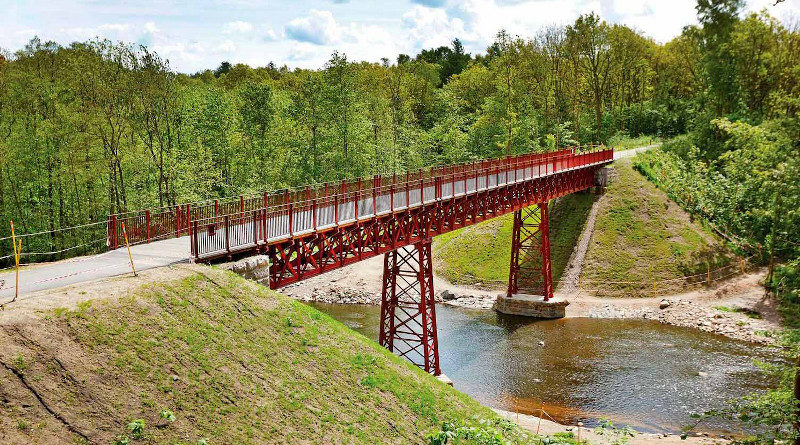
223 68
717 18
588 43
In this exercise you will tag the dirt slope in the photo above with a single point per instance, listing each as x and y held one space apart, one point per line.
233 361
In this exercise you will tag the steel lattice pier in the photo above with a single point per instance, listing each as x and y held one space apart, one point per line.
530 270
408 312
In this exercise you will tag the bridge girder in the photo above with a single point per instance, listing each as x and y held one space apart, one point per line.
308 255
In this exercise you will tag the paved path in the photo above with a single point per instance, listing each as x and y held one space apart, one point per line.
632 152
45 276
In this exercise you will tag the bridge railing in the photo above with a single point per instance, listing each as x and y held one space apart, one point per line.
300 213
175 221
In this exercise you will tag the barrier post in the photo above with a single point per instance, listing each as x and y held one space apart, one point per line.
227 235
17 253
177 221
146 223
188 218
127 244
375 181
314 213
193 240
114 244
336 209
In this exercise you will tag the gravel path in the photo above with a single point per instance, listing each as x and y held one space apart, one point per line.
570 279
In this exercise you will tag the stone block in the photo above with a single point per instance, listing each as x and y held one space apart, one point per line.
531 306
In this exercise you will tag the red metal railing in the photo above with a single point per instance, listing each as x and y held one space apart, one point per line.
359 200
340 201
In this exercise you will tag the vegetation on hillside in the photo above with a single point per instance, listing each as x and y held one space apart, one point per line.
481 254
641 237
213 358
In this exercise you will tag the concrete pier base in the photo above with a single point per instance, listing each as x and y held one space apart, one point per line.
444 379
531 306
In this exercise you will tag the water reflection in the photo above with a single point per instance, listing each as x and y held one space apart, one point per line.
635 372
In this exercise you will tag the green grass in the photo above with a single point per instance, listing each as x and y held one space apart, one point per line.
235 363
481 254
622 141
642 236
739 310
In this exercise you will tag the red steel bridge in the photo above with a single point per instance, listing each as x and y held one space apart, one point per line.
315 229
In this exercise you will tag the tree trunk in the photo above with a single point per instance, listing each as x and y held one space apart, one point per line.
796 421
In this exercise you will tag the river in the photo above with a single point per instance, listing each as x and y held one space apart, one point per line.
633 372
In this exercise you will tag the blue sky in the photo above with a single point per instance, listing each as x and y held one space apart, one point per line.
195 35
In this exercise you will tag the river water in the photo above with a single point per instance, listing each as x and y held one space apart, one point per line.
633 372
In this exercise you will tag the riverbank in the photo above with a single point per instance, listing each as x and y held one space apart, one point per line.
736 308
545 426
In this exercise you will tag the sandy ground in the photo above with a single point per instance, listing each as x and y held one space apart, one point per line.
546 426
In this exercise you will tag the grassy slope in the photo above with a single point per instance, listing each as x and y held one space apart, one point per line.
482 253
641 235
234 361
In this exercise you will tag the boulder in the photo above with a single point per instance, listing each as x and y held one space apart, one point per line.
448 296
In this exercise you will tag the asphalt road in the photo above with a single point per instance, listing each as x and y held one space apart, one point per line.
44 276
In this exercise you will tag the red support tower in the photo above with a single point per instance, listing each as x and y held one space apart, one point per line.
530 253
408 312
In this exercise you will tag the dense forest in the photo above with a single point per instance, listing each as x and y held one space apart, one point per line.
99 127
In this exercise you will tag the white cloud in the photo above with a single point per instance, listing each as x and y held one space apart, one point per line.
151 27
656 18
319 27
114 27
271 36
237 26
224 47
318 34
431 27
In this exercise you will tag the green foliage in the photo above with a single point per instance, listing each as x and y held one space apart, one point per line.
479 432
785 285
136 428
746 189
612 434
167 415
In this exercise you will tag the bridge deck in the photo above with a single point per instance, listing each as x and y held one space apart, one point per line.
227 235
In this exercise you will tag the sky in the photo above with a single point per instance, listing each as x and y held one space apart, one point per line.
198 34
